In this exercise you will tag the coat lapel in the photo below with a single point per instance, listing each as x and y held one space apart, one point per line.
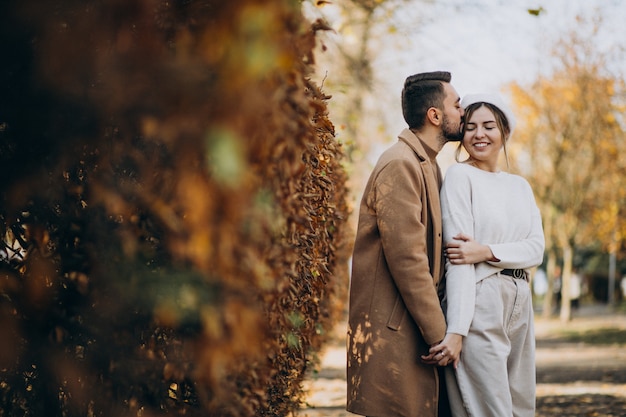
432 192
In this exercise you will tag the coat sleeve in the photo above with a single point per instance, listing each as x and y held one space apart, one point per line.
400 189
456 212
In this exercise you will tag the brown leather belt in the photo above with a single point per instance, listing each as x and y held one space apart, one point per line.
515 273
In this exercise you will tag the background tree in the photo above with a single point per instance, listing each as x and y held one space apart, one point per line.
352 68
172 204
347 70
569 148
348 57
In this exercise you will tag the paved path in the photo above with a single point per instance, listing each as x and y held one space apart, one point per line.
594 369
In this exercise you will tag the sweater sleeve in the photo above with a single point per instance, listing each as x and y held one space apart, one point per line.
457 218
527 252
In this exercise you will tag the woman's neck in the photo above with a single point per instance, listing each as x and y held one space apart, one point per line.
483 165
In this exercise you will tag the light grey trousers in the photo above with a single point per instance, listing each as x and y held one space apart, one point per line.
496 375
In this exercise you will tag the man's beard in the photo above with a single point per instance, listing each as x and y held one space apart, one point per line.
450 132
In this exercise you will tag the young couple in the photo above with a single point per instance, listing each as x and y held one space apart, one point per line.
422 343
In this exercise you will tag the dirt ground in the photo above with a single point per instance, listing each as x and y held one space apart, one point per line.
576 376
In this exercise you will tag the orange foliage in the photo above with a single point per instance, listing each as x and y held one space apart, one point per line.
178 203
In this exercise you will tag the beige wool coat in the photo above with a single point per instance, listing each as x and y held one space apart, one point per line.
394 309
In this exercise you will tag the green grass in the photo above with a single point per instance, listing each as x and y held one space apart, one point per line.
601 336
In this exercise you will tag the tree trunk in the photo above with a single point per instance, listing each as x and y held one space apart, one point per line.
548 300
566 305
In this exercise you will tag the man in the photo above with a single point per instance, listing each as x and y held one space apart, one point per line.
394 312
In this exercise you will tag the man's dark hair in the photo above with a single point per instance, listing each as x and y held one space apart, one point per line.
421 92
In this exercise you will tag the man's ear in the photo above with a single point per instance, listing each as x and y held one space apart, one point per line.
435 116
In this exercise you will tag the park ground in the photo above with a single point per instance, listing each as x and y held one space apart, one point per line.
581 368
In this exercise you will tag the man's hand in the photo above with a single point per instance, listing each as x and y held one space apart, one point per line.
465 250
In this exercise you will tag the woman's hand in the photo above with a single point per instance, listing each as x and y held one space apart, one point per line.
447 352
465 250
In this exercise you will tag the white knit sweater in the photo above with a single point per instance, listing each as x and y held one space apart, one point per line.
496 209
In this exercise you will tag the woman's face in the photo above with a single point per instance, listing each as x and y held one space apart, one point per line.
483 139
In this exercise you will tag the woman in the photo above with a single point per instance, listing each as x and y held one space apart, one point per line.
493 235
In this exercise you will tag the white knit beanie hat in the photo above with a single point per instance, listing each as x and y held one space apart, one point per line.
494 99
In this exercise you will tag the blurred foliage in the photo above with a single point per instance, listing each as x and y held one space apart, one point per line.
173 208
580 405
569 148
354 62
601 336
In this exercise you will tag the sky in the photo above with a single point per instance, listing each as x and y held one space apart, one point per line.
488 43
485 44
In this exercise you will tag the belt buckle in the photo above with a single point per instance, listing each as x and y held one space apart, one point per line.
519 274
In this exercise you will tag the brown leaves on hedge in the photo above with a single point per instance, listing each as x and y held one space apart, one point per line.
191 206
